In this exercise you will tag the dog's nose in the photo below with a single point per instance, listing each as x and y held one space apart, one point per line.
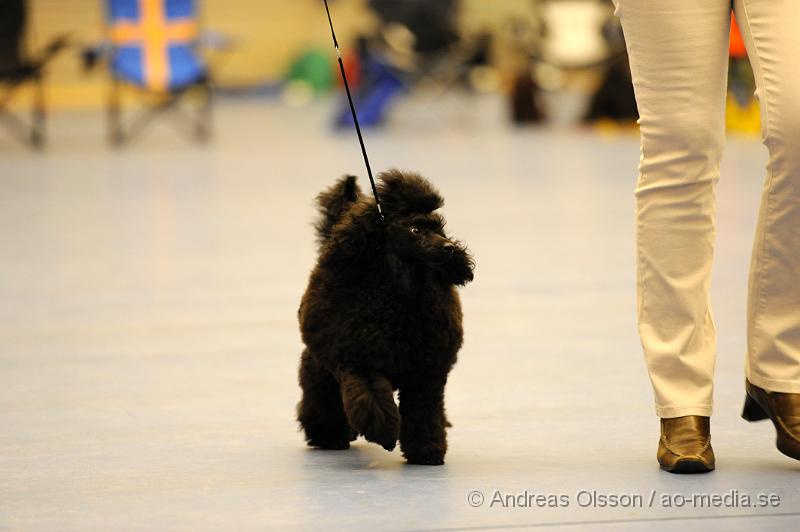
448 247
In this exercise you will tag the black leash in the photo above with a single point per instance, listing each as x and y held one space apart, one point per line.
353 111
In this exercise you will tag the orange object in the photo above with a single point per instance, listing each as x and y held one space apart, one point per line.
737 48
352 69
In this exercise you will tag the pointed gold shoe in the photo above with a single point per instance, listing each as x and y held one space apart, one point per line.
685 445
784 411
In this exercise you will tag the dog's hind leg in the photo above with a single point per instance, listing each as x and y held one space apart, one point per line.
369 404
423 438
320 411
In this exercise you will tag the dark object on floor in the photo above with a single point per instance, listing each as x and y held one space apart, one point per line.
19 69
526 106
614 99
381 313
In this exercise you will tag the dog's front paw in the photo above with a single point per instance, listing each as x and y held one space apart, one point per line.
326 436
330 444
424 455
427 460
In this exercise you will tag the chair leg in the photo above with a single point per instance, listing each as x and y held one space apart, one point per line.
38 115
202 128
116 135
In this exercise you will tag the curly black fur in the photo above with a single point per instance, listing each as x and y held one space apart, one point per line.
381 312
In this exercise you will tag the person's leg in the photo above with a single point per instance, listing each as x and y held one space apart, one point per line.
769 28
678 54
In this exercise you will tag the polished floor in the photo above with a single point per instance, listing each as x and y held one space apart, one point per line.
148 336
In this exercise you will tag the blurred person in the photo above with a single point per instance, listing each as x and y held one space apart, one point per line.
679 57
614 99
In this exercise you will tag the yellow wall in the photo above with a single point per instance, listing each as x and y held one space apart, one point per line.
267 33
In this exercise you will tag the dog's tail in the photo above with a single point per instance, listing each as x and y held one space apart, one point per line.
370 407
333 202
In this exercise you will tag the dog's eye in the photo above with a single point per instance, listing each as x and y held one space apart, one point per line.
415 230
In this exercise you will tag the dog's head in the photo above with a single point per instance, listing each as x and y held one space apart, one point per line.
411 240
415 233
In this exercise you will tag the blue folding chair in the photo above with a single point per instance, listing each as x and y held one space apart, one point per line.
153 46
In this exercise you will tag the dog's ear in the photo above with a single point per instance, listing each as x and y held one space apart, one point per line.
406 192
356 236
332 203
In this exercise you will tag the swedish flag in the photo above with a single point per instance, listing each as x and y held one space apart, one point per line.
154 42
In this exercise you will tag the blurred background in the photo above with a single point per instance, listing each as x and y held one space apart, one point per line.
159 161
551 62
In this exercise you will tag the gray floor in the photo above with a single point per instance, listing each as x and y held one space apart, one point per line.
148 339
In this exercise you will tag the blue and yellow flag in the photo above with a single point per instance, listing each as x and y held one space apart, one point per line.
154 42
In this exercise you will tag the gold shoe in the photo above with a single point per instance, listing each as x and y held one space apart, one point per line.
685 445
784 411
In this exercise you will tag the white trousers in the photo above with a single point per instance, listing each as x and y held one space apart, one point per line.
679 57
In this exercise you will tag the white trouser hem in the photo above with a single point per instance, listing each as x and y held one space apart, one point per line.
773 385
666 412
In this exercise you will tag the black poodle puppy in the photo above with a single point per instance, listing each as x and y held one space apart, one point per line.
381 312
